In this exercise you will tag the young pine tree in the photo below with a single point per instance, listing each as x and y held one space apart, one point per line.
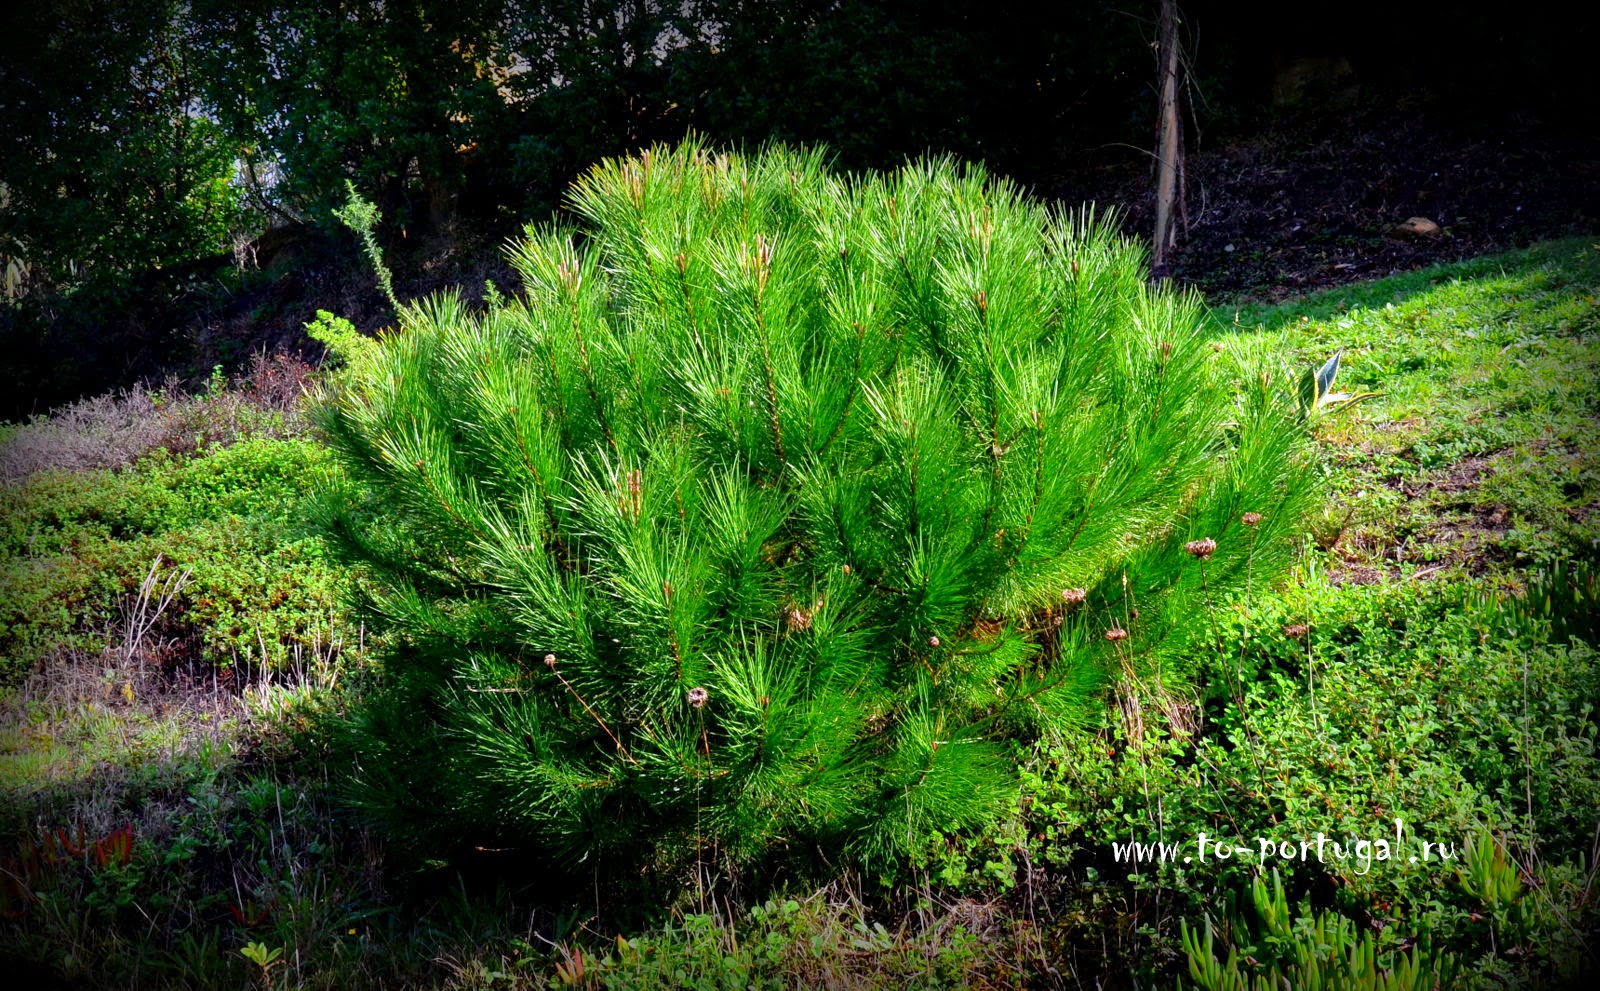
780 503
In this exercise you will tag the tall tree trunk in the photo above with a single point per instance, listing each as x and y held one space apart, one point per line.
1169 145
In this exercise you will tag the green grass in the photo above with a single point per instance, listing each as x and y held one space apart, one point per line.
1479 457
1431 660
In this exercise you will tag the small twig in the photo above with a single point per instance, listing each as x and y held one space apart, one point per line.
550 662
142 616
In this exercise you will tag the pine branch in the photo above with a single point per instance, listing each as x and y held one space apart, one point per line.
746 459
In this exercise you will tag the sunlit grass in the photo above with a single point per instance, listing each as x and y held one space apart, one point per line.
1480 451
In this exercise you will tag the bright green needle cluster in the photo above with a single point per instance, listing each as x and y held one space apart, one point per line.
782 501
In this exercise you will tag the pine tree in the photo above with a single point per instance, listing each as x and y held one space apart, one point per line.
781 502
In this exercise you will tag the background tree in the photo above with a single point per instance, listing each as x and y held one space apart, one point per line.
1015 85
110 163
1169 143
402 98
490 108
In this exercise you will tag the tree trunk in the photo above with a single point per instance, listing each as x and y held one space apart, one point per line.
1169 146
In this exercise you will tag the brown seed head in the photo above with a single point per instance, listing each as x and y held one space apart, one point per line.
1294 631
550 661
698 697
1201 548
1116 633
1250 519
933 641
1073 596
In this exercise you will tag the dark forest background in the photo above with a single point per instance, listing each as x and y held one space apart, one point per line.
168 171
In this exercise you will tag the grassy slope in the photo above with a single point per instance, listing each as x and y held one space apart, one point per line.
1386 681
1480 456
1378 684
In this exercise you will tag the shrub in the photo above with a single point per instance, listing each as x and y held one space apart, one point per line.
75 547
101 432
781 502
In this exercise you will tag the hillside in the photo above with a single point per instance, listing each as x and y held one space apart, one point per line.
181 658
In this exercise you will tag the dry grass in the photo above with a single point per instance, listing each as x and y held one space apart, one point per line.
103 432
117 429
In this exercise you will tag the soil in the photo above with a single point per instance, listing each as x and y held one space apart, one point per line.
1312 201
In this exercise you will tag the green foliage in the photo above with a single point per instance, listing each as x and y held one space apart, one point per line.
783 944
784 501
262 956
1487 875
394 97
362 217
197 870
110 168
487 109
1559 604
1308 951
1359 706
1316 389
1436 695
346 345
256 585
1464 705
1479 457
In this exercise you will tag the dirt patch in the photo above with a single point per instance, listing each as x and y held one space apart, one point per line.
1461 476
1441 529
1352 573
1458 531
1314 202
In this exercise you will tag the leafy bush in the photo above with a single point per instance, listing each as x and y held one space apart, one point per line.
75 548
1360 706
782 501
